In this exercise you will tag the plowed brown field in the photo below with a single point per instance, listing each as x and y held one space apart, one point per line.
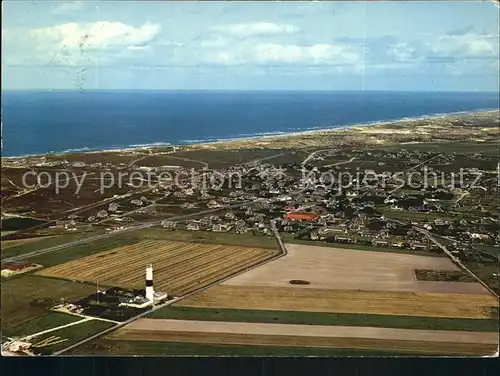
348 269
343 301
417 341
179 268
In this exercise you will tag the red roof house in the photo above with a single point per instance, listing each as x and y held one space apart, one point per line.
301 216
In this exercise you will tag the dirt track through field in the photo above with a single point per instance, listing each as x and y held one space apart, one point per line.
347 269
343 301
309 336
179 268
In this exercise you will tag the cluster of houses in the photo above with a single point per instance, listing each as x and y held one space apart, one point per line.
255 193
350 216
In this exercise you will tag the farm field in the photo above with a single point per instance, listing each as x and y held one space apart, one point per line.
104 346
340 269
324 318
473 343
93 247
343 301
19 294
179 268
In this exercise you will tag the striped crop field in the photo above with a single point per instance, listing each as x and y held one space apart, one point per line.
179 268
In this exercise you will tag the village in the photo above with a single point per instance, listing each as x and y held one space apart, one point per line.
379 204
76 252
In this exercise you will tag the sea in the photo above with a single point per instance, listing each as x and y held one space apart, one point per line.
39 122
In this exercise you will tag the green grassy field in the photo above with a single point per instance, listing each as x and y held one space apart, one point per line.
19 293
152 348
73 334
39 324
322 318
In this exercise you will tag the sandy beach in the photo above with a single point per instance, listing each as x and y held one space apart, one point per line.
401 129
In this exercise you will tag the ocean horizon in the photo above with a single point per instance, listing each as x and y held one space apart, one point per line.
64 121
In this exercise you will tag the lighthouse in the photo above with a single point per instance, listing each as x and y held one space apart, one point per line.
149 283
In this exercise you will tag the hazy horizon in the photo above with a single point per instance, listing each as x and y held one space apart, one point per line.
251 46
263 90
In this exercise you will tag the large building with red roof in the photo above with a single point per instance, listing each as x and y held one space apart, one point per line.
301 216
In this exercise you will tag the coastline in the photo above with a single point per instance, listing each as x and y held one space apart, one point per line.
271 136
351 127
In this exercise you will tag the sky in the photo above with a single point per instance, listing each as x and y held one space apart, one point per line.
127 45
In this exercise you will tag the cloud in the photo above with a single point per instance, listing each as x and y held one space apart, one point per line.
403 52
261 54
68 8
96 36
465 51
137 48
76 44
468 45
314 54
246 30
